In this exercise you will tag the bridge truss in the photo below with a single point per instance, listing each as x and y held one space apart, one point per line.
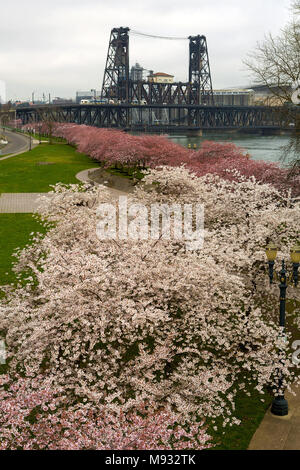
155 116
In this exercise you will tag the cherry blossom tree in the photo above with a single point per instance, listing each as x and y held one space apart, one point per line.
118 323
114 147
33 417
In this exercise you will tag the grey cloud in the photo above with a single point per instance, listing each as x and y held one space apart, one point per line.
61 46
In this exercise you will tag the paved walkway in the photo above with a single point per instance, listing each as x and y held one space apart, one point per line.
279 433
12 203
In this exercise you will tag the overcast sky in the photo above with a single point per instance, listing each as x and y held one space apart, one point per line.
60 46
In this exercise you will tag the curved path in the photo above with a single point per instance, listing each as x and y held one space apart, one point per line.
84 177
18 143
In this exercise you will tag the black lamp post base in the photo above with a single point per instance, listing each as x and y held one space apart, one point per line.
280 407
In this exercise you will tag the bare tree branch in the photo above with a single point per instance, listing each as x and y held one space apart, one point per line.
275 63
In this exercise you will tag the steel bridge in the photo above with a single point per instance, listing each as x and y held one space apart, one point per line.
156 117
165 107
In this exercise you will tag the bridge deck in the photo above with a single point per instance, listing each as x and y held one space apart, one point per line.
171 116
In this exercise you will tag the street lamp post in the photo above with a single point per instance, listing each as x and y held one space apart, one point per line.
280 404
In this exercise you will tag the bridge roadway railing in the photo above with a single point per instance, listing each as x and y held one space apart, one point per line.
130 116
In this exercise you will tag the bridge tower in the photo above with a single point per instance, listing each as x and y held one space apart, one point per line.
116 74
201 91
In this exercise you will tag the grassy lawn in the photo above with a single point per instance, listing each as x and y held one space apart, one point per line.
15 232
25 173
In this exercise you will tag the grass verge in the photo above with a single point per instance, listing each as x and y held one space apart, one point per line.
250 410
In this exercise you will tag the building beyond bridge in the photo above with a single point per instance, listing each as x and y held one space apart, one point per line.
160 77
234 97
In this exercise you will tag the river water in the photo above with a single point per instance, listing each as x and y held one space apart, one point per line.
260 147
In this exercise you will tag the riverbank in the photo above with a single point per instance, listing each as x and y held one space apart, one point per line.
269 148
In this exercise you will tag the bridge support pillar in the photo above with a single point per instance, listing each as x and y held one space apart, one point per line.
271 132
194 133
